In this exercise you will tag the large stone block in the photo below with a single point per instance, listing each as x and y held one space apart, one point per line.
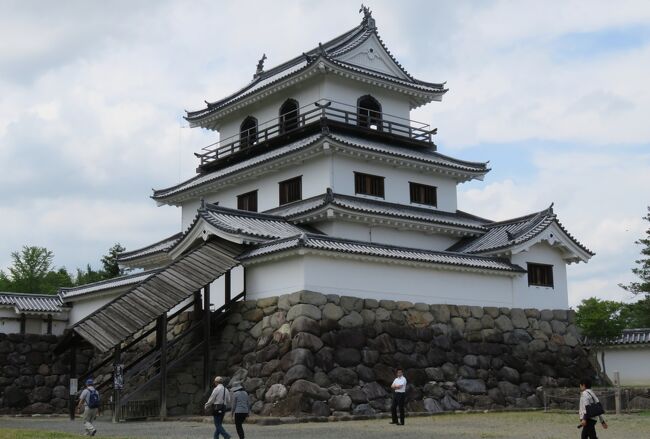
307 341
432 406
297 372
297 356
304 310
503 324
352 320
347 357
340 403
332 312
275 393
518 318
343 376
305 324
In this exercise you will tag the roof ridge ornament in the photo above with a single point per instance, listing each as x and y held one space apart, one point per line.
367 21
260 66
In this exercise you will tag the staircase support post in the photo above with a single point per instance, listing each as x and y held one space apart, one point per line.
161 335
197 315
206 338
227 288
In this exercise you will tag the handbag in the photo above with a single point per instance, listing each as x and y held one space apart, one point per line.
220 409
594 409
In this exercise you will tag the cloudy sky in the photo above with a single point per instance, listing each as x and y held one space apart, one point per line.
554 94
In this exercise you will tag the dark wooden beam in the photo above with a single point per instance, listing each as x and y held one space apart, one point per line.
161 335
227 287
22 323
206 338
197 305
49 324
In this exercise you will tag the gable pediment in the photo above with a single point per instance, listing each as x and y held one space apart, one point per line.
371 55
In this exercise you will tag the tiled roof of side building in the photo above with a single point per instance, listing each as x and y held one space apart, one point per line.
423 155
629 337
330 51
505 234
377 207
327 243
41 303
160 246
104 285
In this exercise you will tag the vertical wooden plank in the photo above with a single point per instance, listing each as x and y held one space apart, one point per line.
49 324
227 287
22 323
161 335
206 338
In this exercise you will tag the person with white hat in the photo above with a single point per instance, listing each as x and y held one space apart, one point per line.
89 401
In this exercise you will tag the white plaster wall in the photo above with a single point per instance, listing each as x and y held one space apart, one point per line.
377 280
542 297
86 305
8 321
315 180
631 363
385 235
396 183
275 278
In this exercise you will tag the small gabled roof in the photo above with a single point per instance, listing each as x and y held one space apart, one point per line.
629 337
340 245
33 303
456 219
333 52
504 235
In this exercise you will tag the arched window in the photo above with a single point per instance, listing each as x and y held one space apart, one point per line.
369 113
248 132
289 115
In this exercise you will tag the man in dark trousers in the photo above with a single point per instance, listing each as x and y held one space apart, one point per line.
399 396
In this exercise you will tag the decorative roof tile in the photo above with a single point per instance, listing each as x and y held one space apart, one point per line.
31 303
321 242
629 337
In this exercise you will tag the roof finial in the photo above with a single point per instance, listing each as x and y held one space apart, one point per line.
202 203
260 66
367 16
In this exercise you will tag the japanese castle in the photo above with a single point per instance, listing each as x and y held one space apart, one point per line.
321 182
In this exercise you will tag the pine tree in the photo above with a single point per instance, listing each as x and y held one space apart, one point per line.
642 271
109 262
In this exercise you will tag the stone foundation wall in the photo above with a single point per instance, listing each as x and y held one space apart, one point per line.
32 378
330 355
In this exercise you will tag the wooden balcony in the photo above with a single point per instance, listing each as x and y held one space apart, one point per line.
315 115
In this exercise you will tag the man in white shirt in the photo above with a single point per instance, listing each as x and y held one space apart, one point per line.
399 396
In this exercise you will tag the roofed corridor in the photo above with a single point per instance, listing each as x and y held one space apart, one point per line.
321 112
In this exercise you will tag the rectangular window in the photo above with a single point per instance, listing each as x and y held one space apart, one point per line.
423 194
540 275
291 190
368 184
247 201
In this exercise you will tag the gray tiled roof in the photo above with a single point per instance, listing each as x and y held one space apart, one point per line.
506 234
241 222
422 154
104 285
327 243
32 302
201 180
158 247
639 336
330 51
377 207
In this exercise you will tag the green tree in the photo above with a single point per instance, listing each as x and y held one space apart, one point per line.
30 266
637 315
600 318
56 279
642 271
110 266
88 276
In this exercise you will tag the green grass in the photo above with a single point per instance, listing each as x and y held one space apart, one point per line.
10 433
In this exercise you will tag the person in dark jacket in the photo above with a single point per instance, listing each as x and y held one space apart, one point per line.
241 404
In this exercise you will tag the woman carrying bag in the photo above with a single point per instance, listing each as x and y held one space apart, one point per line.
240 407
219 403
590 408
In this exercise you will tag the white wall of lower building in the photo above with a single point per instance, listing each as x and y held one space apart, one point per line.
630 362
370 279
34 323
385 235
86 305
542 297
9 321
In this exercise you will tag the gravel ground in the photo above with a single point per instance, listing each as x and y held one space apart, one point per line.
455 426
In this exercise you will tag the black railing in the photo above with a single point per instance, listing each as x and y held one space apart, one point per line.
313 114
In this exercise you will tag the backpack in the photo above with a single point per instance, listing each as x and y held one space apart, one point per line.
93 399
